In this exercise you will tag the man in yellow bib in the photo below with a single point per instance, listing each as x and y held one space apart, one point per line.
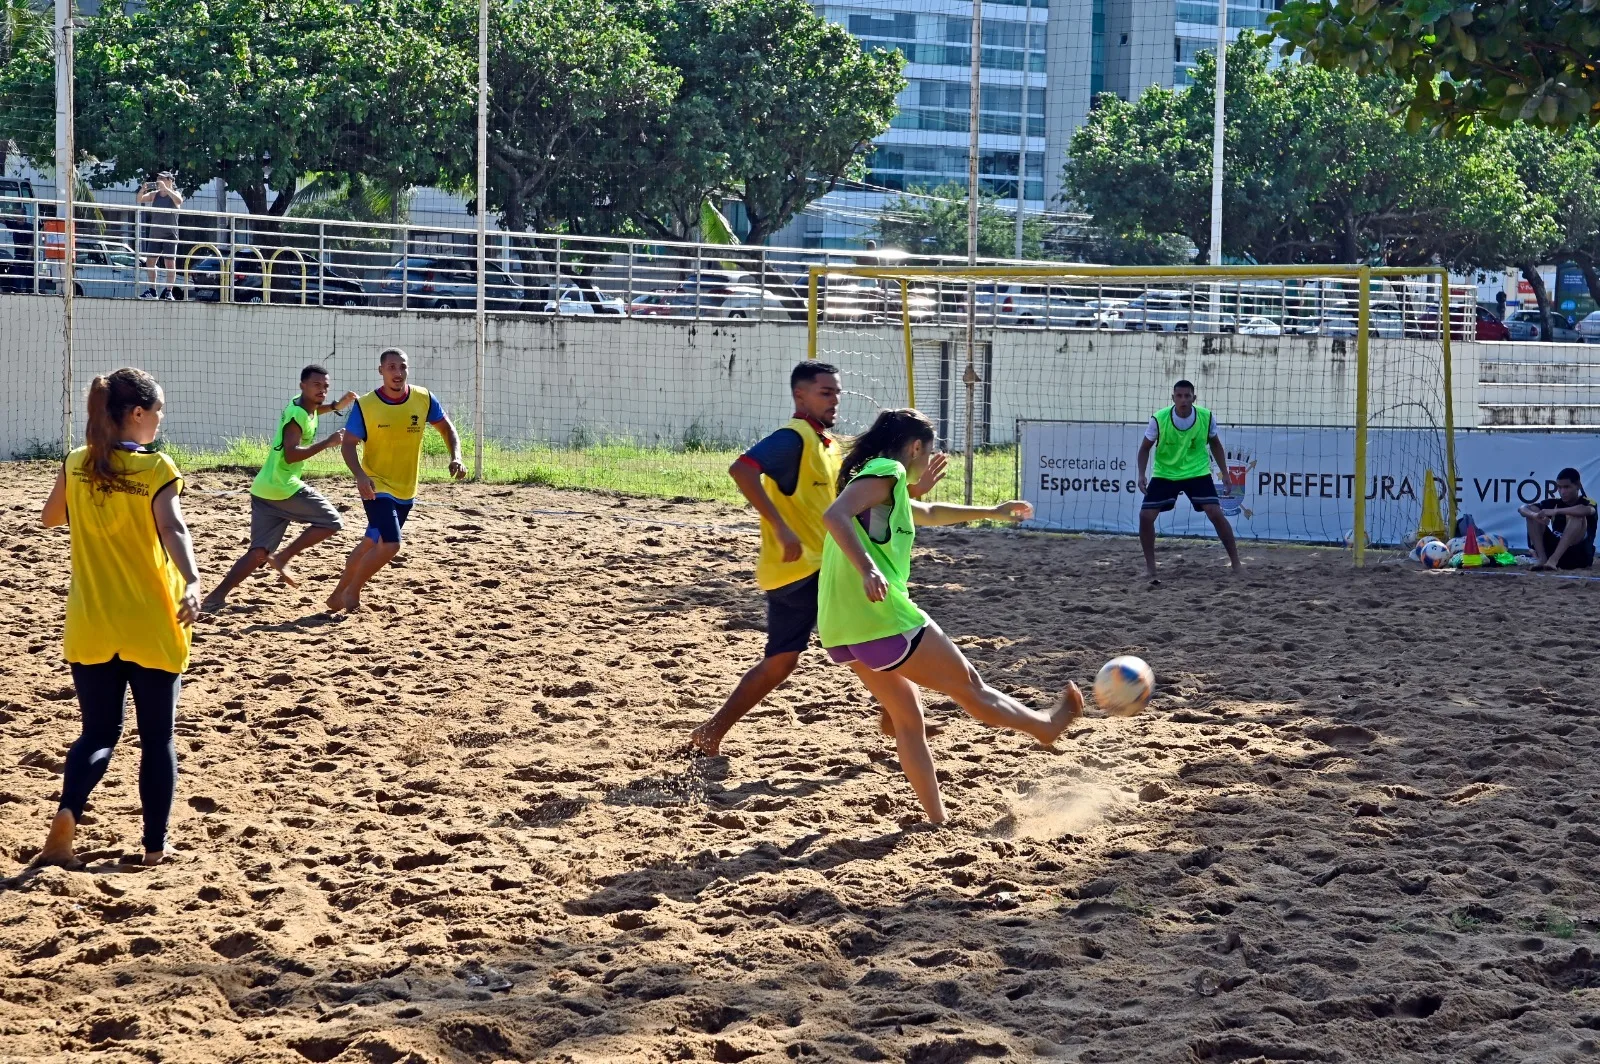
1185 441
386 427
791 479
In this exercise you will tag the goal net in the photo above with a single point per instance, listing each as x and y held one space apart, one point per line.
1330 388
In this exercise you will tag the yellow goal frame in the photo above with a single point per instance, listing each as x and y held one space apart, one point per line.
1046 272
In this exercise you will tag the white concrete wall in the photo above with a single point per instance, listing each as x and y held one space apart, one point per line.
227 371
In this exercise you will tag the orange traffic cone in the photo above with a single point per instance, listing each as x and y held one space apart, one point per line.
1471 557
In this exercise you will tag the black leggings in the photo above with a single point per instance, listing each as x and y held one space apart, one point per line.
102 699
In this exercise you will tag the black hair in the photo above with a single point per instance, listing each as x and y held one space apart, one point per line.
810 370
1571 474
111 398
1184 384
888 435
311 371
384 355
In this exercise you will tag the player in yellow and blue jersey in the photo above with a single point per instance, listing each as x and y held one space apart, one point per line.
386 428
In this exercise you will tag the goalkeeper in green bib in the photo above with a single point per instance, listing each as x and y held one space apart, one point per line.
1185 441
865 616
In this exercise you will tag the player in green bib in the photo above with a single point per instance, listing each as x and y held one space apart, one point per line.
865 615
1184 440
278 497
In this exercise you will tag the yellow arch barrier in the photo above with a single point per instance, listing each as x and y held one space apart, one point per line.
224 278
305 275
233 261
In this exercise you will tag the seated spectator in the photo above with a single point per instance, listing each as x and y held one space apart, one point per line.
1561 530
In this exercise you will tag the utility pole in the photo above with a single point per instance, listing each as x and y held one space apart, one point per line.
970 377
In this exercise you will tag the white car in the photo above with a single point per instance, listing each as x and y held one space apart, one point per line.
1259 326
1524 325
103 269
1589 328
572 300
747 301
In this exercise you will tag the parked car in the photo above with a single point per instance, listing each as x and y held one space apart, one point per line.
1589 328
1490 327
1525 325
1260 326
1165 312
101 269
574 300
16 259
748 301
654 305
324 284
432 282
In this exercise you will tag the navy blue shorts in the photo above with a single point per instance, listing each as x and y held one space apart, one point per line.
791 615
385 517
1163 494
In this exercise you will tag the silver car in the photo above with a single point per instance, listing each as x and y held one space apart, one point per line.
102 269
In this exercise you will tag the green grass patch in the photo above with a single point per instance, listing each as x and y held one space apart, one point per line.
696 471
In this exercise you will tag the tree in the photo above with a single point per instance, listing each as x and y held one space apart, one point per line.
575 88
263 94
801 98
935 223
1319 170
25 31
1499 61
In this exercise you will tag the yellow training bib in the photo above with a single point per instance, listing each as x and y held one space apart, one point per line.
125 589
392 452
814 492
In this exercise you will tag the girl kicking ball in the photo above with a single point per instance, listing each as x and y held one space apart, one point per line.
134 595
867 620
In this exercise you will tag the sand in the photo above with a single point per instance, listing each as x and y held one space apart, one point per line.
1358 822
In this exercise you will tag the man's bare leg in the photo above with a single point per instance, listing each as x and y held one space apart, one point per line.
1219 521
358 572
1536 529
1147 541
253 559
758 683
1571 536
309 536
356 561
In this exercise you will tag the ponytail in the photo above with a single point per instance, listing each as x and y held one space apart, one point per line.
111 397
889 435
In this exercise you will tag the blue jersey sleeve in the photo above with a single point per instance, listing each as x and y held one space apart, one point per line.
355 424
435 411
779 458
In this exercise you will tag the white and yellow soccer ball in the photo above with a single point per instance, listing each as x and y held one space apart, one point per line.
1124 686
1435 555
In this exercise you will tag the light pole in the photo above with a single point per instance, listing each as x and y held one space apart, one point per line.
970 376
1022 150
1218 117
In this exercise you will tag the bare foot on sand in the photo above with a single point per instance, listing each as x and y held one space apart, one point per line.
1068 709
57 851
886 726
344 603
284 572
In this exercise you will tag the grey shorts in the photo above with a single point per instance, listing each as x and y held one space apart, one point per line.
270 518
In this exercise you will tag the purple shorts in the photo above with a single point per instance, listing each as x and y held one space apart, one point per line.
880 655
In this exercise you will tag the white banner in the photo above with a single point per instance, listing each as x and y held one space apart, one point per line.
1299 484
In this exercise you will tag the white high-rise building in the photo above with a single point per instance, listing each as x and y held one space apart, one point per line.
1074 49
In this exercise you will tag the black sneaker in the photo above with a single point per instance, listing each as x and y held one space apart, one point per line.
148 293
166 294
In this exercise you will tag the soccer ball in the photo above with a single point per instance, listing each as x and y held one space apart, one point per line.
1457 544
1415 553
1124 686
1434 555
1492 543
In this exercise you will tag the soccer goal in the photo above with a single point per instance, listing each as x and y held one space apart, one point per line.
1331 386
